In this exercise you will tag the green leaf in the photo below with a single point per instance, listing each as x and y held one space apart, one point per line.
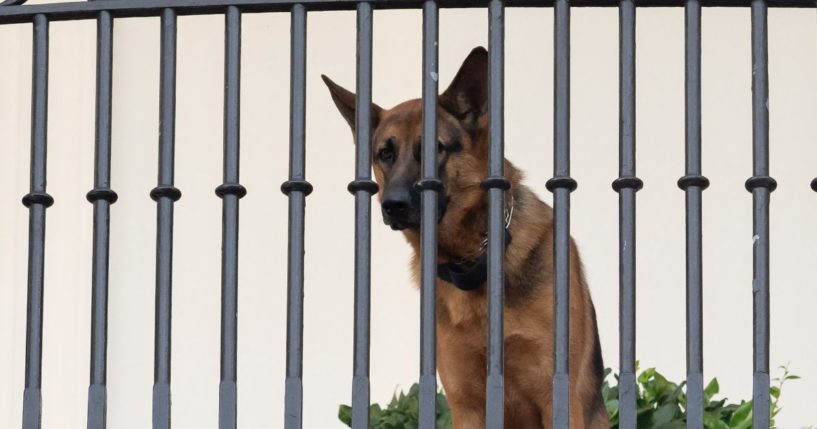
444 421
612 407
676 394
711 421
742 417
375 414
646 375
665 414
711 390
345 414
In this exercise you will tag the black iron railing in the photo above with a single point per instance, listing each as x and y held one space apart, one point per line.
165 194
101 197
297 188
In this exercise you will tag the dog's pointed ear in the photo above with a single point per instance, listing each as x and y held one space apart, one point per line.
467 96
346 102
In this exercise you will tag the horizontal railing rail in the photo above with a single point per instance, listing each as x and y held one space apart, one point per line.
136 8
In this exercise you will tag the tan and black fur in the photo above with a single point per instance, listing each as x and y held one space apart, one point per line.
462 315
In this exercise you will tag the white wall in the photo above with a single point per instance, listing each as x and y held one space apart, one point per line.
395 309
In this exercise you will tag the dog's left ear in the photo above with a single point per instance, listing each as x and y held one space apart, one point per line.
346 102
467 96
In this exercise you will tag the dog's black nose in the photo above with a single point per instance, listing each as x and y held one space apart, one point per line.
396 207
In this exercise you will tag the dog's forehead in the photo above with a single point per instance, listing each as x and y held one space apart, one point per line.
404 123
401 121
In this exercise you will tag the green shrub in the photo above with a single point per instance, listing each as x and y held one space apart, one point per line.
403 412
660 404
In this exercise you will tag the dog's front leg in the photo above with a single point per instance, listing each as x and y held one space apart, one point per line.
466 416
462 371
466 397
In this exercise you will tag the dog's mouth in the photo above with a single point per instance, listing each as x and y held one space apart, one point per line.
399 225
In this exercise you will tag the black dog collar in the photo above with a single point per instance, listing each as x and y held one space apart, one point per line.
469 275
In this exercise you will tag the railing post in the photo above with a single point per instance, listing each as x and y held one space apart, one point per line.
296 188
430 186
627 184
761 187
230 192
496 184
165 194
561 185
101 197
37 200
693 184
362 188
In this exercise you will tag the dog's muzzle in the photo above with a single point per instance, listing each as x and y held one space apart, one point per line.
402 211
400 214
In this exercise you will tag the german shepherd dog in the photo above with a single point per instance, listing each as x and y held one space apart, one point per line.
461 293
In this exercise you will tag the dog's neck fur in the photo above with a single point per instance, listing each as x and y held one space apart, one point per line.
460 239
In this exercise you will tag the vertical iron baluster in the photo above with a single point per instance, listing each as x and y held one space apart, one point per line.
496 185
693 183
297 188
230 192
561 185
101 197
37 200
362 188
627 184
761 186
165 194
430 185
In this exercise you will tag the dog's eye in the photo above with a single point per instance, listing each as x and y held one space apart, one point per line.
440 149
386 155
454 146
